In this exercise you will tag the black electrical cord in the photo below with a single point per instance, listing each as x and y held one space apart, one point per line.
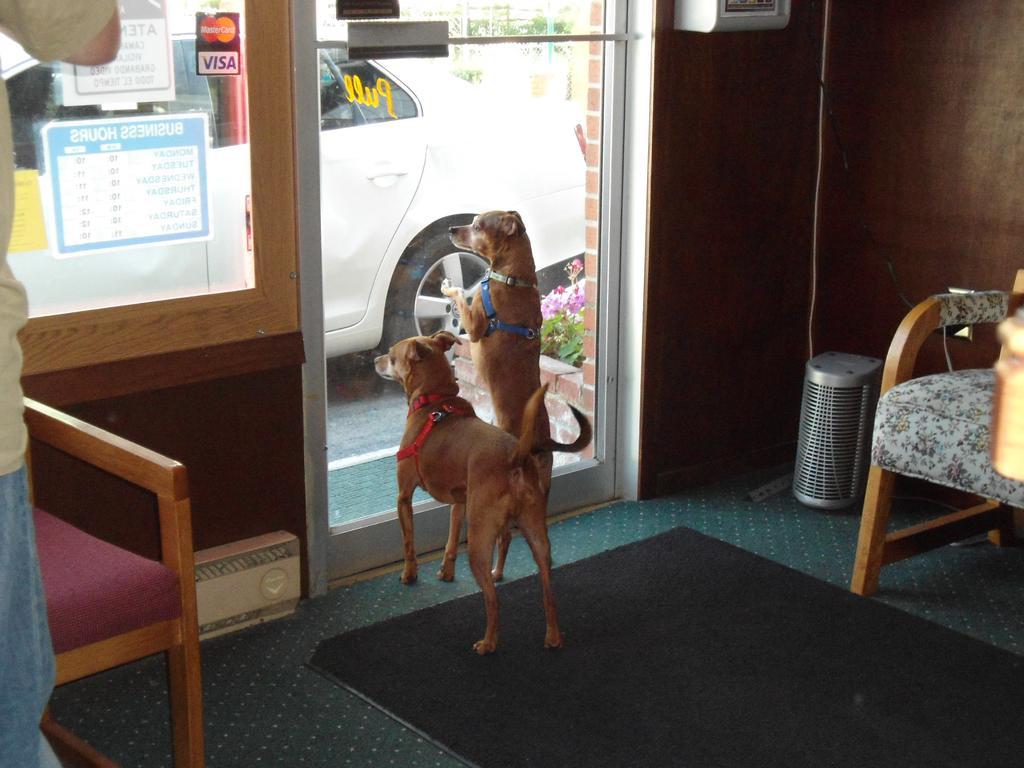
833 121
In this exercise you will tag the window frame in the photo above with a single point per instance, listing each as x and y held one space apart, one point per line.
91 337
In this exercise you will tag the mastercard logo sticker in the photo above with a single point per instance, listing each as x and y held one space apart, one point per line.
218 29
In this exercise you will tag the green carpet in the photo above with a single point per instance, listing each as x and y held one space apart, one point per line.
265 708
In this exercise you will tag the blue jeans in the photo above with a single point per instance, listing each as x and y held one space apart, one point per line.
26 654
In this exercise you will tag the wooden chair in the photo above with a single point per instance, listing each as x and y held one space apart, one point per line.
935 428
108 606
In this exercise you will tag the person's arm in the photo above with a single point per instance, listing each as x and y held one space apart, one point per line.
86 32
103 47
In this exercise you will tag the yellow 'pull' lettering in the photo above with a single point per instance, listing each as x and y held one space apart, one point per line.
384 89
355 91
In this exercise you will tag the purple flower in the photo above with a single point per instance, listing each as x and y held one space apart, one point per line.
562 300
566 300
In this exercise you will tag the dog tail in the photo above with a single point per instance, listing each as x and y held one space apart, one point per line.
577 445
525 448
526 436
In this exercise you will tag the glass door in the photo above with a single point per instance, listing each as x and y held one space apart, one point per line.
520 115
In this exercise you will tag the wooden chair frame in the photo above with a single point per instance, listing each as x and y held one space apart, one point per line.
179 638
875 547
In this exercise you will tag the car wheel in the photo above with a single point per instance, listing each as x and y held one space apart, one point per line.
415 304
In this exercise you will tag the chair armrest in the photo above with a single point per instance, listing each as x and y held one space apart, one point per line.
972 308
939 311
154 472
916 326
105 450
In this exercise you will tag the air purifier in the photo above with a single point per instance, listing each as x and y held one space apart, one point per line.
836 418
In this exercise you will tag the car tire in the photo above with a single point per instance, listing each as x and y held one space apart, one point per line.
415 305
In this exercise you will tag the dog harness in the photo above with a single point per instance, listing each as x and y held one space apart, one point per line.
436 417
423 400
493 323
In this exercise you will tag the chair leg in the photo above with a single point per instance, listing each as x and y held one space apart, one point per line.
71 750
873 522
1005 534
187 700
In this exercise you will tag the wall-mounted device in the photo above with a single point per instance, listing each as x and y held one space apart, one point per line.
731 15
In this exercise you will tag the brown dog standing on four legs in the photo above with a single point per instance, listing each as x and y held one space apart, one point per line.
491 475
503 324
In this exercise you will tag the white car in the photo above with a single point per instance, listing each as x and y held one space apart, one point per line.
407 151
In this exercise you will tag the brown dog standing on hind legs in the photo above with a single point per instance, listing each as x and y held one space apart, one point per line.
492 476
503 324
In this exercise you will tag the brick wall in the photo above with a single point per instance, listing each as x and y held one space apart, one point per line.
592 129
565 384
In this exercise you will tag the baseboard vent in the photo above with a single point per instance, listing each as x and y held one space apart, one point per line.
247 582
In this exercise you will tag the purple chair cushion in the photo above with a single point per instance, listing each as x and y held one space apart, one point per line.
95 590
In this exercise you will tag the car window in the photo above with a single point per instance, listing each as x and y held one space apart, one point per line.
35 99
358 93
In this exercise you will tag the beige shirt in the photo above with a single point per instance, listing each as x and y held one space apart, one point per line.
49 30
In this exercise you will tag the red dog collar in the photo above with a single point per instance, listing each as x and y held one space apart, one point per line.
423 400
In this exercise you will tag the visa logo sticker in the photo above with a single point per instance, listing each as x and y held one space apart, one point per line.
218 43
218 63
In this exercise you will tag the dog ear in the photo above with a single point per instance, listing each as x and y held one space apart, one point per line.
446 340
417 351
512 224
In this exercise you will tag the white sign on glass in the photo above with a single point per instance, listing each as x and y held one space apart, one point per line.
127 182
143 70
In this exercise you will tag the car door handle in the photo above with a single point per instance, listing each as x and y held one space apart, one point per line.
386 171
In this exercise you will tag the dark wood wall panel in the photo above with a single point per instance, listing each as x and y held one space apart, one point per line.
923 188
929 107
733 162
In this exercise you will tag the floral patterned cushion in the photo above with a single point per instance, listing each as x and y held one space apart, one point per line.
971 308
937 428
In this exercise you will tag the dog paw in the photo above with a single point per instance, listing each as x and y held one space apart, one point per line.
409 576
553 640
497 575
449 290
447 570
485 646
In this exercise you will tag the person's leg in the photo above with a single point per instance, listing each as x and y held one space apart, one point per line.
47 759
26 653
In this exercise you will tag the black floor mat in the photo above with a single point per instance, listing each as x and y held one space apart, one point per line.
685 651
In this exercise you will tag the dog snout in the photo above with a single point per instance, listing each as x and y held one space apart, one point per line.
382 365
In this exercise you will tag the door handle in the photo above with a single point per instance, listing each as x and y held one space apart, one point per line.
386 171
386 176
